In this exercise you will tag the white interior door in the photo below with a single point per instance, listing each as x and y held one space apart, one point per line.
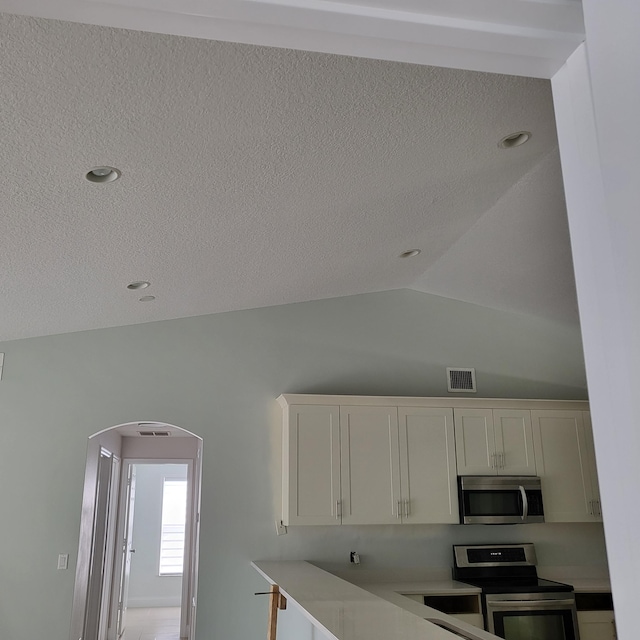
108 564
92 621
127 551
190 585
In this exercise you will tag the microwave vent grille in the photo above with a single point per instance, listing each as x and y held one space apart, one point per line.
461 380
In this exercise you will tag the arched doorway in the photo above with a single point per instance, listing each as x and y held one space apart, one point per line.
105 541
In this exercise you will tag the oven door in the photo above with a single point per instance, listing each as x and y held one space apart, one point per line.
532 616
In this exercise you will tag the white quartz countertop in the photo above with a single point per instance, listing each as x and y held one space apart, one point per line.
438 581
424 587
583 581
345 611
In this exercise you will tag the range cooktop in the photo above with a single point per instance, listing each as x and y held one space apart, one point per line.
507 568
518 585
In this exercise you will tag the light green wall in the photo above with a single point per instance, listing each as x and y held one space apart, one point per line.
217 376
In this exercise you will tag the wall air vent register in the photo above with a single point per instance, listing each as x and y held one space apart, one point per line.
461 380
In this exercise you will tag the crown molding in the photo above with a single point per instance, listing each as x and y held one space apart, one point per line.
519 37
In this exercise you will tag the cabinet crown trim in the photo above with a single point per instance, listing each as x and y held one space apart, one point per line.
288 399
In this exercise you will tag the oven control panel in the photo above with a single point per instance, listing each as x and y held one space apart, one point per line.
499 554
520 555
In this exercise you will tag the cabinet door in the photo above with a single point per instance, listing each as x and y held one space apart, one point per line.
311 464
370 465
475 442
596 625
428 465
514 442
595 506
561 455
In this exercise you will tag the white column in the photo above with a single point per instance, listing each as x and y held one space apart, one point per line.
597 100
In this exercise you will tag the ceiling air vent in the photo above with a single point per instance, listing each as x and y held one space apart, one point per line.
154 433
461 380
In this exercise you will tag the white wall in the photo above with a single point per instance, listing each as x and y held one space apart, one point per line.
218 376
146 587
597 98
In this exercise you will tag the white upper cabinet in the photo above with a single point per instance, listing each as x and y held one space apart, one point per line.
475 442
398 465
494 442
514 442
562 462
311 469
370 465
374 460
595 507
429 490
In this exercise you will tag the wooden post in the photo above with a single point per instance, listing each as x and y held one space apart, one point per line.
276 601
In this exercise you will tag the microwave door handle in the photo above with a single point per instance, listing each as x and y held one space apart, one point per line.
525 503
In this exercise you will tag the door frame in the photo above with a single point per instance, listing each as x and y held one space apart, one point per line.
189 571
124 523
103 535
121 440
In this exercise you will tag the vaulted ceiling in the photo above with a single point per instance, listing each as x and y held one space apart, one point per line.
254 176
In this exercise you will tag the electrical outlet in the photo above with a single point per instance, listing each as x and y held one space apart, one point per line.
63 561
281 530
354 557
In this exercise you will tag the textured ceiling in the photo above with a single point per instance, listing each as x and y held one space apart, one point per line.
255 176
517 256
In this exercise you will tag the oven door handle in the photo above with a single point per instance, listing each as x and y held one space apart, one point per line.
504 604
525 503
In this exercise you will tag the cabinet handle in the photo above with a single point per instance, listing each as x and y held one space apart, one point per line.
338 509
503 462
492 461
591 507
407 508
599 508
399 509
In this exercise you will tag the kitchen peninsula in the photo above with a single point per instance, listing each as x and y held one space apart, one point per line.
338 610
324 606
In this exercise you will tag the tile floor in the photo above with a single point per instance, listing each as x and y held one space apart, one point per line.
159 623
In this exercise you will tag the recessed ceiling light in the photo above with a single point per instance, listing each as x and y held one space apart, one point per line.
410 254
103 174
514 139
147 298
139 284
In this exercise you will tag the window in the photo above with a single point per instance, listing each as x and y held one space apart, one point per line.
174 517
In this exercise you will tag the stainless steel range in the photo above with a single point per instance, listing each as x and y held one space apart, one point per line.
517 605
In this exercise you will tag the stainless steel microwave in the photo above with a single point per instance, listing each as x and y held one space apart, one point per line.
500 499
